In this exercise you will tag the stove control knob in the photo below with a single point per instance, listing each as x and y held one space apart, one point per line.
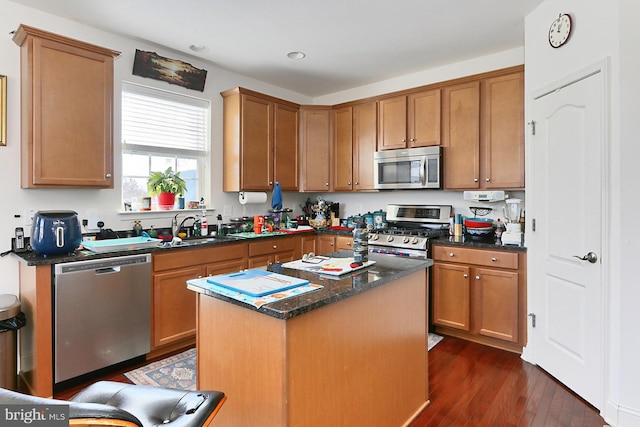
405 239
390 239
373 236
414 240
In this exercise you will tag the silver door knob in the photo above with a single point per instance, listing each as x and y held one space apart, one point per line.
591 257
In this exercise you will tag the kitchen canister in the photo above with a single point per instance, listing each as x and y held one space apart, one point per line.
368 220
379 219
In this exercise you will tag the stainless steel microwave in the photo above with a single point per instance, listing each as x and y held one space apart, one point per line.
411 168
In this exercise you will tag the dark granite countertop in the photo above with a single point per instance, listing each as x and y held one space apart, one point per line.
32 258
386 269
483 244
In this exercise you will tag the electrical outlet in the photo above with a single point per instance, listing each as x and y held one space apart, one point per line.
92 221
28 217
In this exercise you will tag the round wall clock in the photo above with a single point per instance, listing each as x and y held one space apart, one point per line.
560 30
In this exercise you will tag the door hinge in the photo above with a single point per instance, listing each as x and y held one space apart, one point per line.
533 224
532 124
533 319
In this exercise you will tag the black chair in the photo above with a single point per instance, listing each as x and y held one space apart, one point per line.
109 403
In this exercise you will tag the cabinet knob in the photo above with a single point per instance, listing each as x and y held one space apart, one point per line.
108 176
349 183
275 246
450 253
465 275
326 184
477 277
403 140
270 182
357 183
348 243
494 259
412 140
330 243
475 179
487 179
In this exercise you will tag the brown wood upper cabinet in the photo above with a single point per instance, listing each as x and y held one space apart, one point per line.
483 125
315 148
66 111
354 142
260 142
408 121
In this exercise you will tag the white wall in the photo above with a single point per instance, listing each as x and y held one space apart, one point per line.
105 202
605 29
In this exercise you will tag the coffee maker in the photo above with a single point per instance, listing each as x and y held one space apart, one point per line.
513 235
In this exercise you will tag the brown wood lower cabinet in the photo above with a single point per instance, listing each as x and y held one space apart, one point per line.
480 295
174 307
280 249
328 243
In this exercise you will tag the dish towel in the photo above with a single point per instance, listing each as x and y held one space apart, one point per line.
276 197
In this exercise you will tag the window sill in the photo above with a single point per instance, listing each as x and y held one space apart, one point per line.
161 212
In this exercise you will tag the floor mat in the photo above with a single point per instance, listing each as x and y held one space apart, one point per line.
433 340
178 371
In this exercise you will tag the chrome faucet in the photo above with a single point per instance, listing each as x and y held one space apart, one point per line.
174 226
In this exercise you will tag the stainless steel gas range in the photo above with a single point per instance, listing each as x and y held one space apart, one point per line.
409 229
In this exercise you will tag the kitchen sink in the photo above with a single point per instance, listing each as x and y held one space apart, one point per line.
195 241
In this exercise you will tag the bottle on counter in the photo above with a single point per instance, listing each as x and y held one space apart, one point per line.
500 228
196 227
204 227
137 229
219 229
360 242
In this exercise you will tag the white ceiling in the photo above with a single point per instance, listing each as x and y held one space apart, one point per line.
348 43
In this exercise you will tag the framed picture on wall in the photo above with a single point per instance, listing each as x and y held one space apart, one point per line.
173 71
3 110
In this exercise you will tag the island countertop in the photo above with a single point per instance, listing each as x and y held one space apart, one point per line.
386 269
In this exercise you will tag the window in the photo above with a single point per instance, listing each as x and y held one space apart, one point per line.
163 129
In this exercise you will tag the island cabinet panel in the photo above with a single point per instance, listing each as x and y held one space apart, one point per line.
315 149
480 295
260 142
67 111
360 361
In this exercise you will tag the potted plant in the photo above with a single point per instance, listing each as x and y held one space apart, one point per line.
166 185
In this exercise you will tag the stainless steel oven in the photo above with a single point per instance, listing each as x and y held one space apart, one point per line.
412 168
410 229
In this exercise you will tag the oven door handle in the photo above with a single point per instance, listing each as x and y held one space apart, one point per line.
423 171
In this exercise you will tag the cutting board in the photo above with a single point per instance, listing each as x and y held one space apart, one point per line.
256 282
330 266
125 244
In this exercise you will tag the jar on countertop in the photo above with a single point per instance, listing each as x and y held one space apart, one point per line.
360 243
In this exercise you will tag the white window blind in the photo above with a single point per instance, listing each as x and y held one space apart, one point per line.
166 120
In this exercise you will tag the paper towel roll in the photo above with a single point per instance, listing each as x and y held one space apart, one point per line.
246 197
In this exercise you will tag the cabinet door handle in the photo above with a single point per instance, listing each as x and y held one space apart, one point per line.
412 140
475 179
326 184
275 246
465 275
477 277
450 254
487 179
270 182
357 183
349 183
330 243
494 259
108 176
403 140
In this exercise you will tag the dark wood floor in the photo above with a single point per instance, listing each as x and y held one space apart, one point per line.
474 385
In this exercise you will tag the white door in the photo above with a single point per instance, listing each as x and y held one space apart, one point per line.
566 174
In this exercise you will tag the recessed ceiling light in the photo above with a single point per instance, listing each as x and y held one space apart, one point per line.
296 55
198 48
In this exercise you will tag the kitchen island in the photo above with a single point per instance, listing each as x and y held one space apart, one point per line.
351 353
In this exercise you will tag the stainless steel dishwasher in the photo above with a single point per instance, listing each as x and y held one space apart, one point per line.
101 313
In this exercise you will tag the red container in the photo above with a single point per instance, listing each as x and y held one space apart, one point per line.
478 222
258 222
